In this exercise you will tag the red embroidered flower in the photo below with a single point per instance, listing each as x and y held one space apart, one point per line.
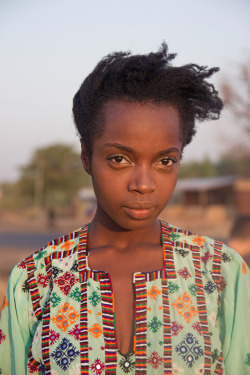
223 283
155 360
33 368
97 366
65 282
42 280
176 328
183 272
75 332
197 328
2 336
21 265
53 337
206 257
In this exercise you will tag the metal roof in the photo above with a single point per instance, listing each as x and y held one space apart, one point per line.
204 183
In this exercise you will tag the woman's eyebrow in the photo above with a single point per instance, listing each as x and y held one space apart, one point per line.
121 147
168 151
131 150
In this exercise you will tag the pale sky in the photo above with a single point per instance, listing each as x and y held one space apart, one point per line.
48 47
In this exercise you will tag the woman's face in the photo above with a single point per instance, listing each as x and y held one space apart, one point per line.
134 163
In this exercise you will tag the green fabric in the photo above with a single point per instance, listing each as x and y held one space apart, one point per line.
227 311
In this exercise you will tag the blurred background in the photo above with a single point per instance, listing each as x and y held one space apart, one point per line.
48 48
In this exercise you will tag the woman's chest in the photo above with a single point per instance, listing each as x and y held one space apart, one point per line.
174 325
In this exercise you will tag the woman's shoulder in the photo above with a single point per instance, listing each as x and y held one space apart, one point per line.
207 246
59 248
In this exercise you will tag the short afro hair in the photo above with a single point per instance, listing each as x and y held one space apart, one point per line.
121 76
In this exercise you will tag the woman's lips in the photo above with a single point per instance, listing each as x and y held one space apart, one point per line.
138 213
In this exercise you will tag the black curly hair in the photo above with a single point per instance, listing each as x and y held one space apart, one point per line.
121 76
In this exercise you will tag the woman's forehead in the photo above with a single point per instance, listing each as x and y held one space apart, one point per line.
140 124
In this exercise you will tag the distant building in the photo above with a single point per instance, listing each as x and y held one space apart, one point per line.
226 190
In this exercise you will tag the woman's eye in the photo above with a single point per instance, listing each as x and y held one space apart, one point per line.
119 159
167 162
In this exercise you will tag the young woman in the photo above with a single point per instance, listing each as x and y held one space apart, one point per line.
127 293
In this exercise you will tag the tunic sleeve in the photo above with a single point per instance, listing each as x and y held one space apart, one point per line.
17 325
234 321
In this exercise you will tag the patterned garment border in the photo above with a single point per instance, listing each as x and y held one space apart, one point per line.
168 251
82 247
141 324
201 306
216 270
59 240
218 369
32 362
33 287
108 324
167 337
46 323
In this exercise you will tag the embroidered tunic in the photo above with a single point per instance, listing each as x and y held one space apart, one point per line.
191 317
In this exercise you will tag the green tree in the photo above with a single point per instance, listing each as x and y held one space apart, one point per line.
52 177
192 169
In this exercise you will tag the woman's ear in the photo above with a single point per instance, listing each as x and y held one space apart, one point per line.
85 159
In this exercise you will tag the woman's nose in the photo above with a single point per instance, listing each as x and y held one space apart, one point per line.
141 181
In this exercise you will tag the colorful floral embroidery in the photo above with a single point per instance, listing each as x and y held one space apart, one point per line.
185 307
56 271
247 361
74 267
40 254
172 287
215 355
155 360
21 265
189 350
66 263
53 337
67 245
197 327
223 284
65 317
174 236
2 336
226 258
154 292
42 280
206 257
97 366
76 294
25 286
5 302
244 268
64 354
183 272
176 328
55 299
33 368
75 332
127 364
210 287
65 282
198 240
94 298
192 289
181 252
155 324
95 330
